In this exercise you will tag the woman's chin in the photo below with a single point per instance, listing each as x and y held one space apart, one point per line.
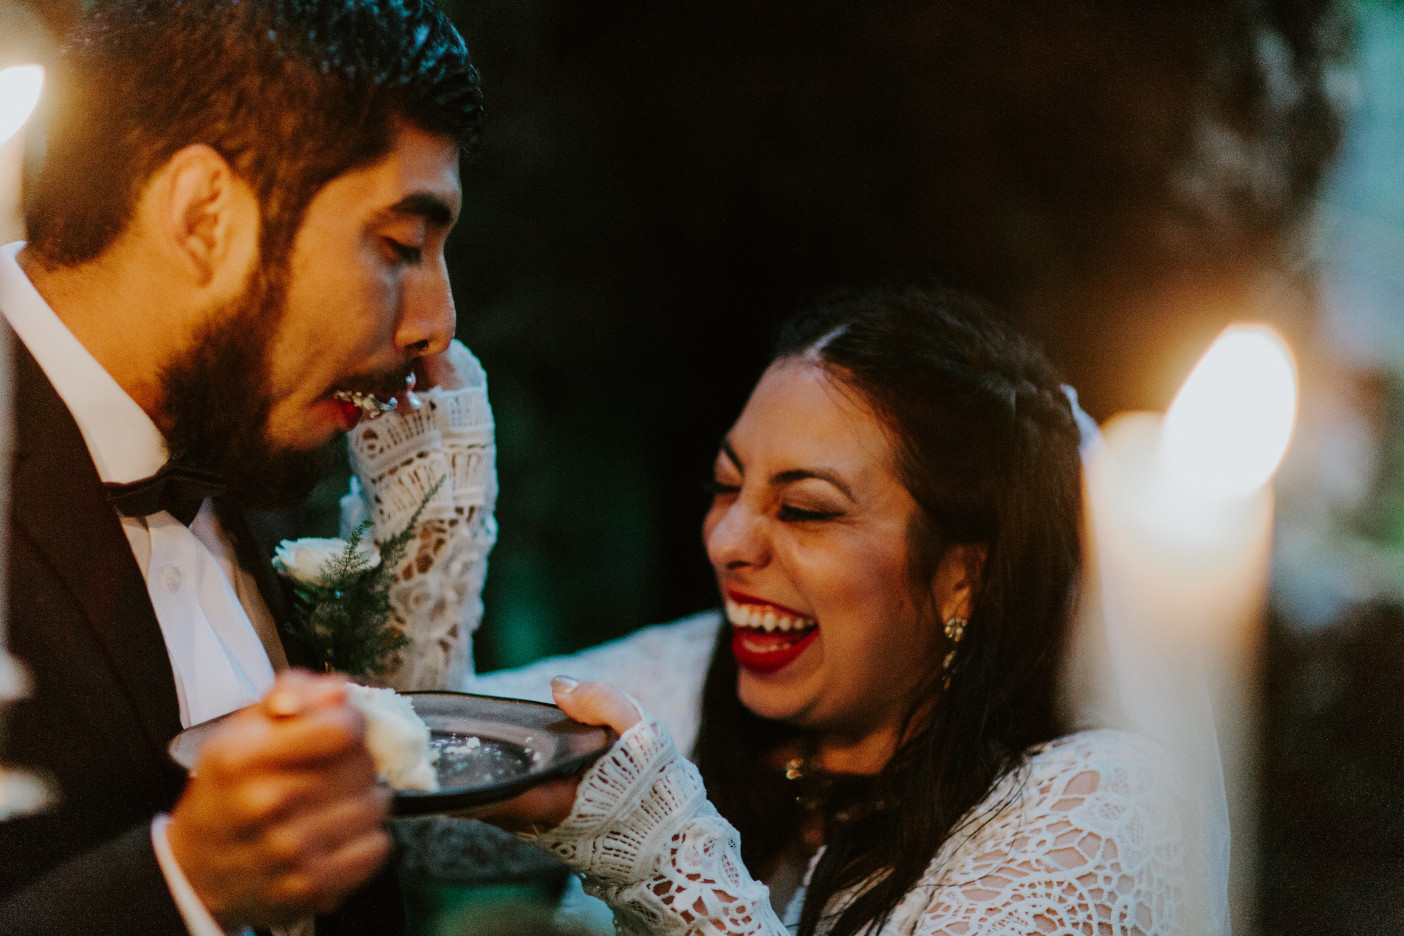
764 704
775 699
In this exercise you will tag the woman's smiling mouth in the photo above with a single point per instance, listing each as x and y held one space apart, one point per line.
766 638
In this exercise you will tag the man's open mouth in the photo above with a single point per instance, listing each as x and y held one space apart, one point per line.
376 404
372 406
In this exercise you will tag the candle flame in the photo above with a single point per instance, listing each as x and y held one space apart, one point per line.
1229 426
19 93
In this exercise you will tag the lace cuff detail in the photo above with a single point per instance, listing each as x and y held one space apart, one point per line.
398 459
401 456
651 845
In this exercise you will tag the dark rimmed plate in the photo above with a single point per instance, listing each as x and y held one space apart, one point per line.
490 749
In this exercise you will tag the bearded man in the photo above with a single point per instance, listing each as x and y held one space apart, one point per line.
238 225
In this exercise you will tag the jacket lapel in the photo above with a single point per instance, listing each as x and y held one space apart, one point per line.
58 503
253 558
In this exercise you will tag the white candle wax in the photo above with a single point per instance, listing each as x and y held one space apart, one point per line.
1180 530
19 93
20 792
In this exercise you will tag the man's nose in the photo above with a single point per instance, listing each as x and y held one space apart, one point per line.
428 319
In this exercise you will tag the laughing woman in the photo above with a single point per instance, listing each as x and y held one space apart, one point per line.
895 535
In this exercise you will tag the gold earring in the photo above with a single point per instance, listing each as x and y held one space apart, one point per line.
955 629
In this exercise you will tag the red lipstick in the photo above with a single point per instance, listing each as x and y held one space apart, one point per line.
762 652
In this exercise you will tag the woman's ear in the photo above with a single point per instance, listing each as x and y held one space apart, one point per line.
957 578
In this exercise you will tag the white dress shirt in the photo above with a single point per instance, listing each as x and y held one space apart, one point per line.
219 634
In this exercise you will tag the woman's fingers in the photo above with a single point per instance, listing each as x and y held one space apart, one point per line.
542 807
437 370
595 703
547 804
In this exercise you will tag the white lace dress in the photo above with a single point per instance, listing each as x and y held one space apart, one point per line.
1082 841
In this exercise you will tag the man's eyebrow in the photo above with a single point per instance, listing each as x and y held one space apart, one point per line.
432 208
730 453
802 474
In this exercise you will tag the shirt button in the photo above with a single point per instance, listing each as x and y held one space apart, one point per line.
171 578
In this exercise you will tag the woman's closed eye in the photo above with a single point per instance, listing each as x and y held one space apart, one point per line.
789 513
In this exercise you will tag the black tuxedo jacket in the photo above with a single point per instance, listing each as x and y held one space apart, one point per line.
103 706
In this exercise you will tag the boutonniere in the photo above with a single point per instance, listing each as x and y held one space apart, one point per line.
341 595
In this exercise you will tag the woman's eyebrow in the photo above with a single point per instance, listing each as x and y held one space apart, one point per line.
792 475
803 474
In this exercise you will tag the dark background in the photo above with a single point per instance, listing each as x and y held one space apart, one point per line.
659 183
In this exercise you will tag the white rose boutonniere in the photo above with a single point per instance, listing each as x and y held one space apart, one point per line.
308 560
341 595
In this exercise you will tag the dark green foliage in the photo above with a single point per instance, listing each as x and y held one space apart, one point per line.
345 620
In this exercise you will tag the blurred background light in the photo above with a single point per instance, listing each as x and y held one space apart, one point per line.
1229 426
19 92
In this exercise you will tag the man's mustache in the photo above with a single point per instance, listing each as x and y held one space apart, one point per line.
384 384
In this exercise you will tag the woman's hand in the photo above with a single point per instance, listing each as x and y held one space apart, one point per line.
546 805
595 703
430 370
437 370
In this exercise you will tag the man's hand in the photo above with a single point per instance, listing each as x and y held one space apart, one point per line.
547 805
282 817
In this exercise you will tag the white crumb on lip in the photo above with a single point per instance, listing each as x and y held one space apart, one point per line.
368 402
397 738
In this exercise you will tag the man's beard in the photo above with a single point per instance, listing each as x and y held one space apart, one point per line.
217 402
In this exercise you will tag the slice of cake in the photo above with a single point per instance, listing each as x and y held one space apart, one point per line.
397 737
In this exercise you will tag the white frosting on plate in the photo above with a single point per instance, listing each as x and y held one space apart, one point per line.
397 738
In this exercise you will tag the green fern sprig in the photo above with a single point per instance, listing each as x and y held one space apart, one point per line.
344 618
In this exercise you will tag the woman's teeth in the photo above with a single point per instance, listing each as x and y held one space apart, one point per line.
765 617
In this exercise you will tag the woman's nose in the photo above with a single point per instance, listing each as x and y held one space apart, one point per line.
737 538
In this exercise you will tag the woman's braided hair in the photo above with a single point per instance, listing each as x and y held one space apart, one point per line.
986 442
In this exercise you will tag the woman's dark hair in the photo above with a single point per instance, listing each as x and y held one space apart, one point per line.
985 440
293 93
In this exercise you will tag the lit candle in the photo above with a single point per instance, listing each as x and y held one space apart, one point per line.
1185 500
1180 521
19 92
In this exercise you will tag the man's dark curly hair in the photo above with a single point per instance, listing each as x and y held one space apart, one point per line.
293 93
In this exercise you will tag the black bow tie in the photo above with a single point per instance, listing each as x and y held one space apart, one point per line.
177 488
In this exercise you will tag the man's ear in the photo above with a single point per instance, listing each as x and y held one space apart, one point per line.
957 578
206 216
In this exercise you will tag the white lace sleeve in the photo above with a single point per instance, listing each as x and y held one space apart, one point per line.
651 845
437 598
662 666
1082 840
